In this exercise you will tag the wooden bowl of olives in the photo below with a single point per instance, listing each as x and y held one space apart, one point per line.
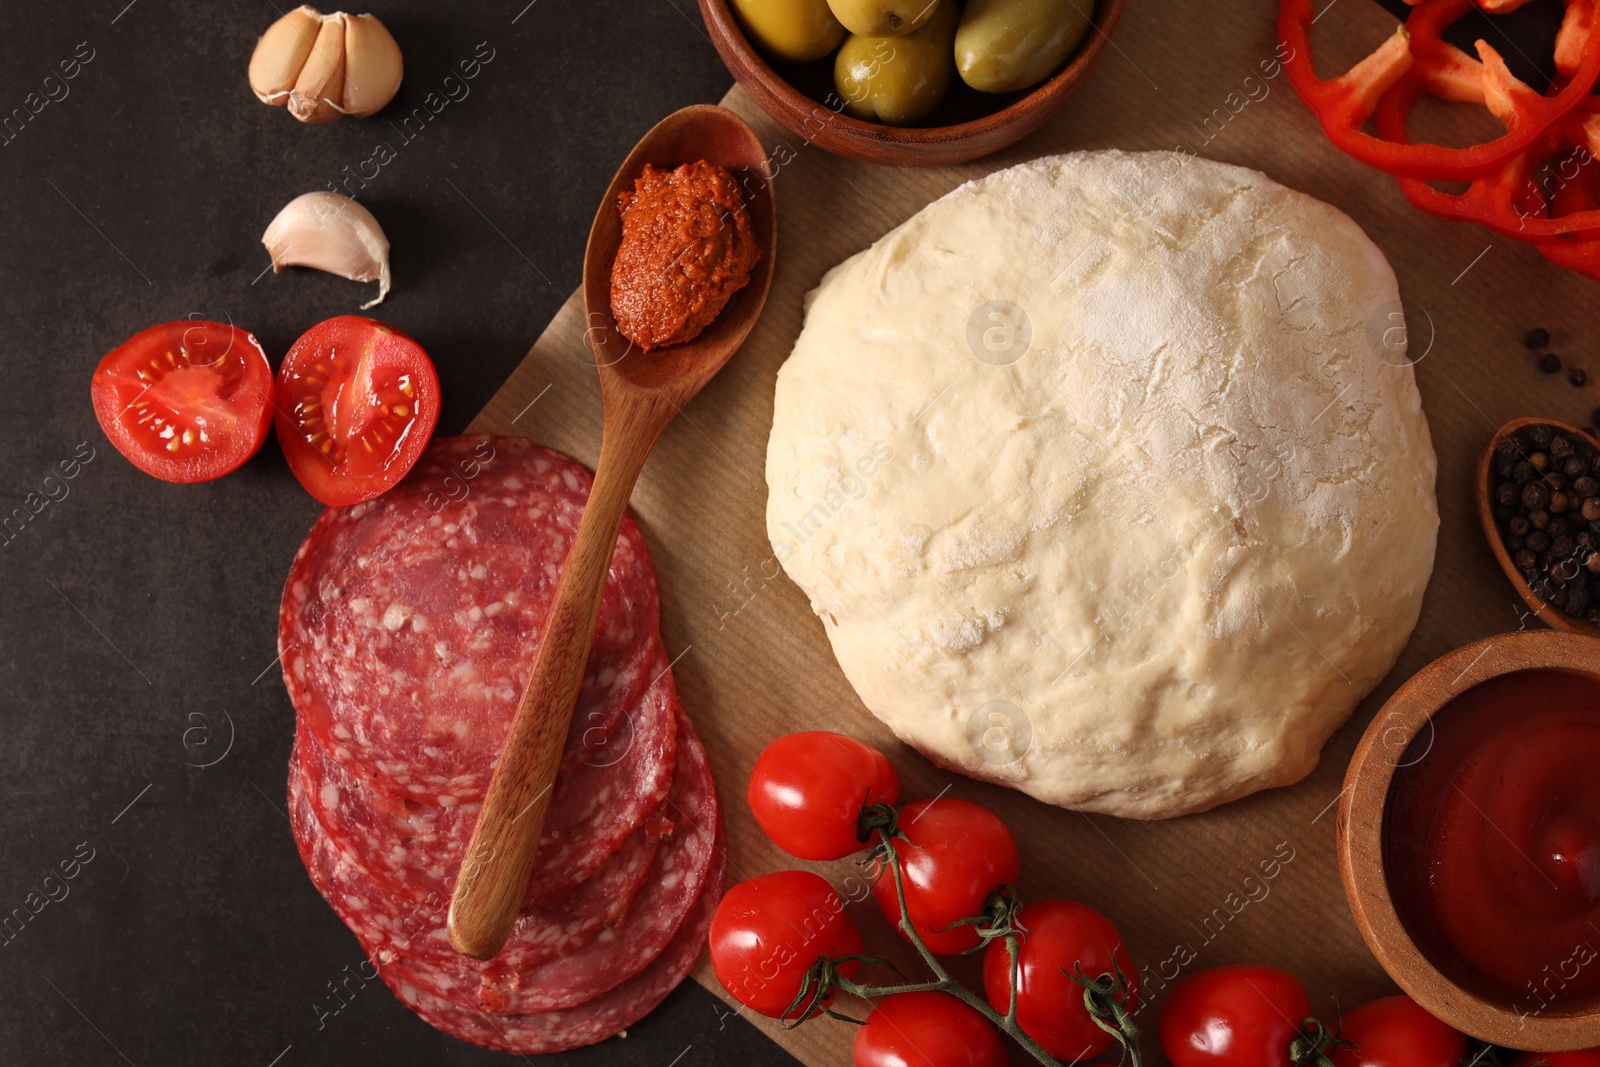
911 82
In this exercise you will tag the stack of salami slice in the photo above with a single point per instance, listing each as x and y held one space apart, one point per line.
408 626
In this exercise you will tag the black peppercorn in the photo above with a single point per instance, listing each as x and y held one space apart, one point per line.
1587 485
1538 540
1592 564
1560 448
1518 525
1558 502
1539 461
1537 337
1557 527
1539 519
1555 480
1507 493
1577 600
1524 559
1578 377
1523 473
1591 509
1541 436
1562 547
1574 467
1549 362
1535 496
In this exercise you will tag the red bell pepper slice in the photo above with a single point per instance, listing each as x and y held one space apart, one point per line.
1344 104
1509 199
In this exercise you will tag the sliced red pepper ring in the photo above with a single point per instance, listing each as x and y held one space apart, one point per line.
1344 104
1510 199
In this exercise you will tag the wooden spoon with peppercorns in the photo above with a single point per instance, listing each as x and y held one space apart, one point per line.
713 216
1539 502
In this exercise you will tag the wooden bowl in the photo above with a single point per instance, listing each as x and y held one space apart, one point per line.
1550 616
1360 837
1014 116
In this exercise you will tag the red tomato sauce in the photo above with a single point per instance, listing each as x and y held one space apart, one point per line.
686 248
1492 839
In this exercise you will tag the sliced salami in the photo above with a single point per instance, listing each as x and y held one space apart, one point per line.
416 849
388 925
681 870
409 622
596 1019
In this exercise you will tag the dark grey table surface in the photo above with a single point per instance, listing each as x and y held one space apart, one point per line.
146 729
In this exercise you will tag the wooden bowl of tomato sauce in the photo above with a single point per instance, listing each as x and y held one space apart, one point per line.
1469 839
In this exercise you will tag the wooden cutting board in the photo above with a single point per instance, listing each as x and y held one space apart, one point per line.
753 662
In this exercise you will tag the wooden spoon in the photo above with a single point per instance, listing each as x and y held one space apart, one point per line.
1551 616
641 393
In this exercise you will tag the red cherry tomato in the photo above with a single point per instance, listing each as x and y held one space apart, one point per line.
356 403
807 791
1062 937
928 1030
1397 1032
1233 1017
1589 1057
767 933
955 855
186 401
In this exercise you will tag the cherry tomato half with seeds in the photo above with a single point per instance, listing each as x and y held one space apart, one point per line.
1397 1032
1588 1057
356 404
927 1029
807 791
185 401
1060 938
1233 1017
955 854
768 932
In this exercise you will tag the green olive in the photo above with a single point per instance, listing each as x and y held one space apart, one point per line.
797 31
898 80
1005 45
883 18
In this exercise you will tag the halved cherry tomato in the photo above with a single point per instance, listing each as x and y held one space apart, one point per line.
185 401
955 854
1061 938
1234 1017
1397 1032
808 789
1588 1057
928 1030
768 932
356 403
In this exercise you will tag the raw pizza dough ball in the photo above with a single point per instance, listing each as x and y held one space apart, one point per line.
1109 479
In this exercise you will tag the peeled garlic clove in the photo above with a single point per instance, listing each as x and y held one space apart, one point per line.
281 52
319 89
328 231
372 65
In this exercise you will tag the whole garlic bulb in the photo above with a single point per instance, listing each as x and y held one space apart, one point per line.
323 66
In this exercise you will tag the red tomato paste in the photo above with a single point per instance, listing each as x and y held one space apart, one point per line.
686 249
1492 839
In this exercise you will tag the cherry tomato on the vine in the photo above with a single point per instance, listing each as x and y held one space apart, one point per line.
1234 1017
1061 937
1588 1057
1397 1032
928 1029
955 854
186 401
807 791
767 933
356 404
